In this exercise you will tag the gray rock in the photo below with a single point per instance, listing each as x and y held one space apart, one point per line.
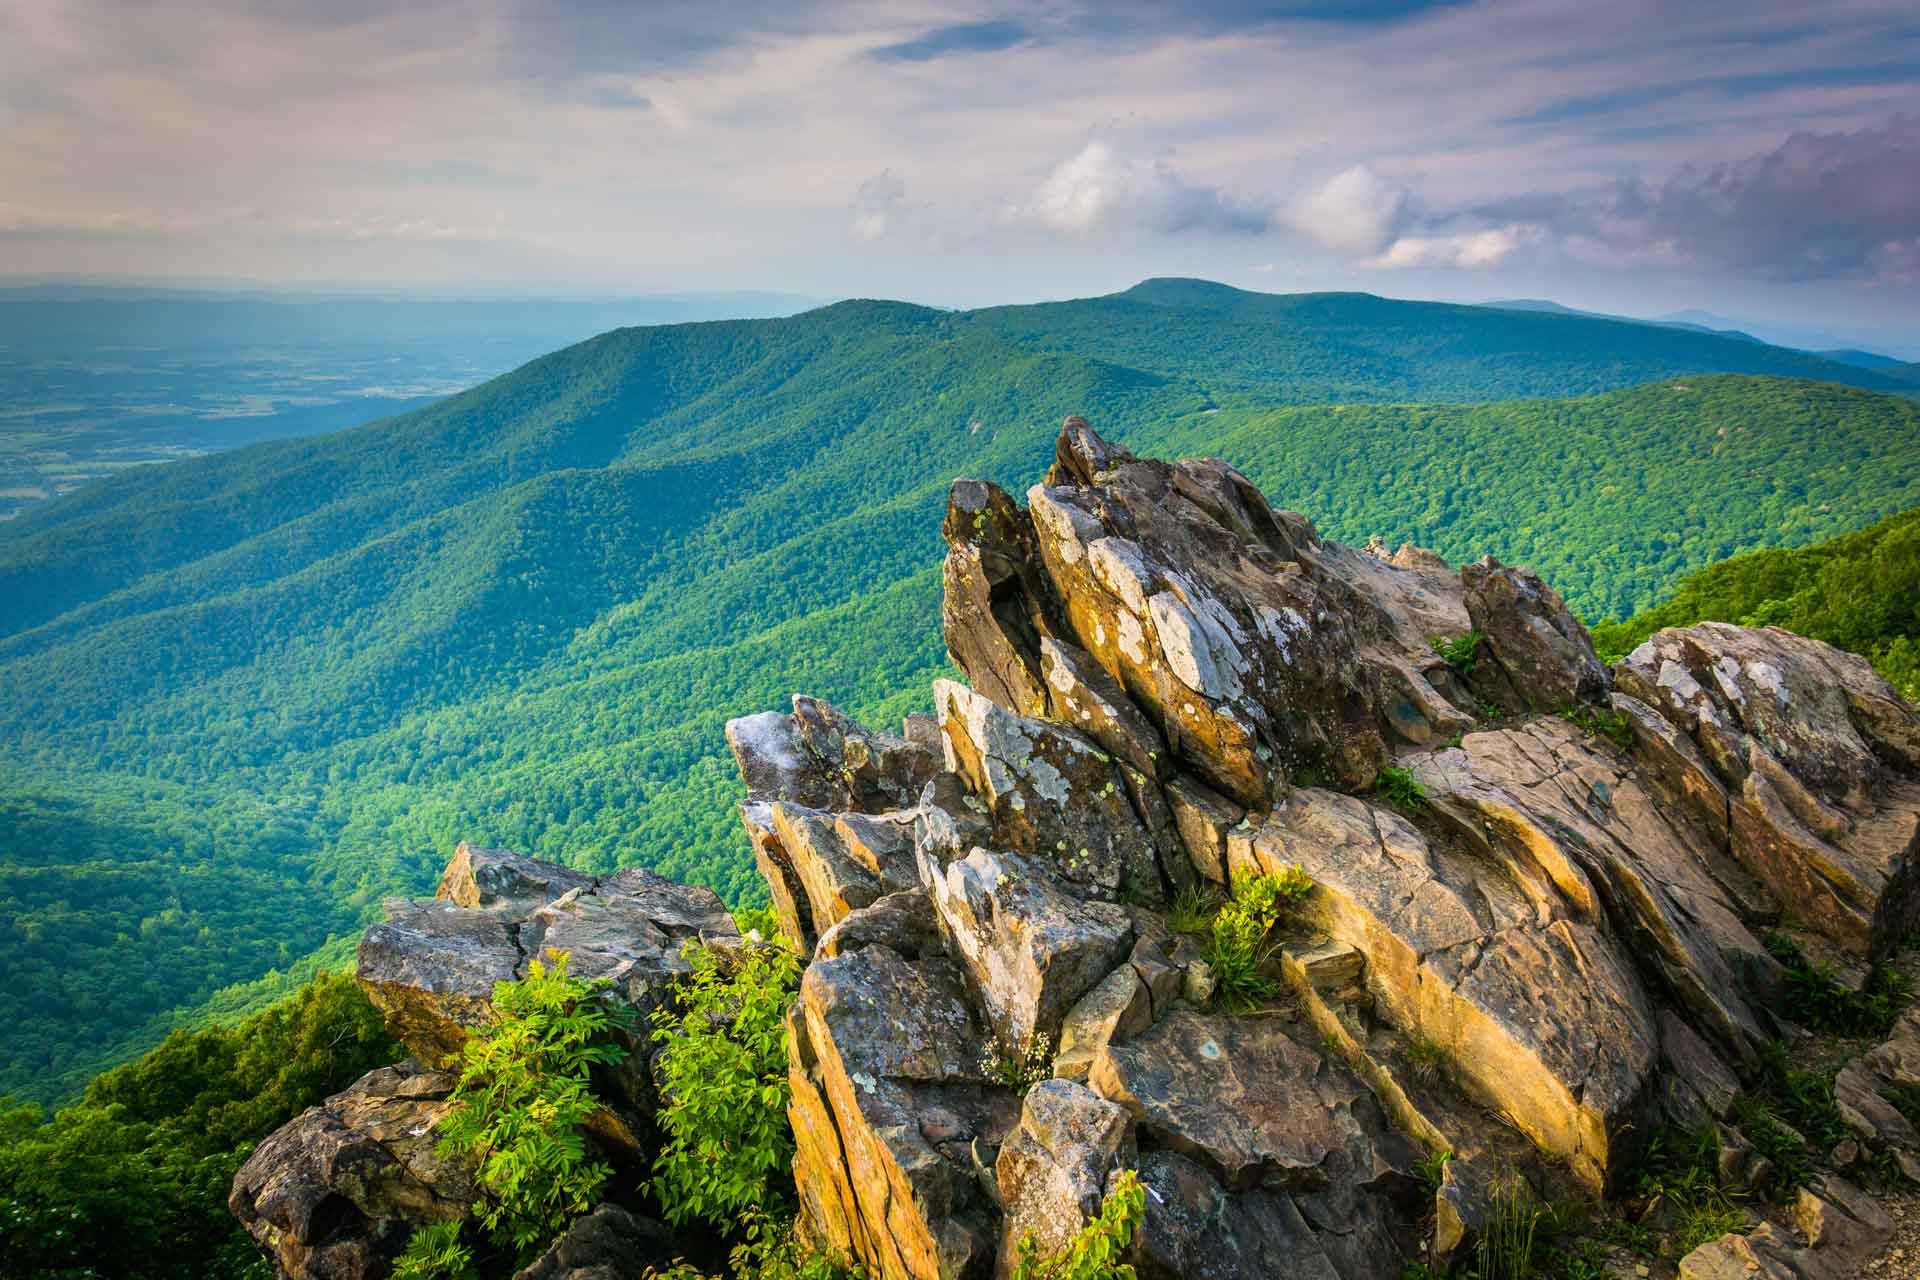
1528 632
1053 1171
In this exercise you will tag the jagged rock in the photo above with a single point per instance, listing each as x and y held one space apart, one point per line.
888 1100
1029 949
1175 683
1052 794
607 1244
1529 634
1053 1171
994 615
1194 1229
819 758
334 1193
1816 753
1119 1006
431 967
1257 1108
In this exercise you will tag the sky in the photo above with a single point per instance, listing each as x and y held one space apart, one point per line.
1757 159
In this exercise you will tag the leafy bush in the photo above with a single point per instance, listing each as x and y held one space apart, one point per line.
1678 1172
1462 653
523 1100
770 1250
1399 788
723 1084
1095 1252
132 1180
435 1253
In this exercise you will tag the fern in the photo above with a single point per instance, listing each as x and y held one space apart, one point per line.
435 1253
524 1098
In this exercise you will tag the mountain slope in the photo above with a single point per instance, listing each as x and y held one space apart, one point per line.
1860 592
243 697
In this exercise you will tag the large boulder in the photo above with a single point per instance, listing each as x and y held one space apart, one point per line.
1817 756
1054 1171
1544 656
334 1193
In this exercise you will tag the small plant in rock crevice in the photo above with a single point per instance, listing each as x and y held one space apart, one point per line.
1095 1252
1462 653
1015 1067
1431 1169
1238 946
1426 1058
1818 999
1399 788
1602 722
1192 910
1506 1248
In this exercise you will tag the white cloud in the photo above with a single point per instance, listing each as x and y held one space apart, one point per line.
1355 211
1102 186
1469 249
876 205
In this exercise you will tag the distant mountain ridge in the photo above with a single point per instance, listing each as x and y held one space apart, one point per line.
243 697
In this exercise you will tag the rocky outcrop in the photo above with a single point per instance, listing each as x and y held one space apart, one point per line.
1547 942
334 1194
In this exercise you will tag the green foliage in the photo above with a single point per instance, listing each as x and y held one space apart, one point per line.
1602 722
1237 949
1792 1163
1818 999
245 700
1507 1243
1905 1099
524 1097
435 1253
1860 592
1399 788
1462 652
1431 1169
762 920
722 1070
1095 1252
132 1180
770 1249
1017 1067
1678 1174
1192 910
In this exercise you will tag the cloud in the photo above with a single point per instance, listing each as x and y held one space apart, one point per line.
876 205
1355 211
1102 186
1466 249
1817 206
968 37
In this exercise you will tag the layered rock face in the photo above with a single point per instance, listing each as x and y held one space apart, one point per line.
334 1194
1171 684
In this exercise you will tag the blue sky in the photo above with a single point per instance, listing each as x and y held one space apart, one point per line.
1759 159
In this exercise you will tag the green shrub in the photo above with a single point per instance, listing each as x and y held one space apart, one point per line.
1462 653
1818 999
770 1250
435 1253
1431 1169
523 1100
723 1084
762 920
1094 1253
1237 948
1399 788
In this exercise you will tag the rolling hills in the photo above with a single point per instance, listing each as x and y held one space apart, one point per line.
244 696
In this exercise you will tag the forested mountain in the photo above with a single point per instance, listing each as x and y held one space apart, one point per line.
244 696
1860 591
